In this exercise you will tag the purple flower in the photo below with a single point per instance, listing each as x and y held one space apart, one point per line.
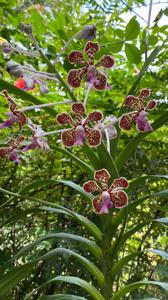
107 126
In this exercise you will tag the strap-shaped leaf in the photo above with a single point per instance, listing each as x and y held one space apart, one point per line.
159 252
90 153
92 228
90 245
13 277
90 289
106 161
91 267
162 220
63 297
24 95
128 288
78 188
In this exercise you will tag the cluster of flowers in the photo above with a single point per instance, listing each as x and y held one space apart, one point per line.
89 128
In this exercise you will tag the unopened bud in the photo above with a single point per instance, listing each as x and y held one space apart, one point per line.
6 47
88 32
14 68
43 87
26 28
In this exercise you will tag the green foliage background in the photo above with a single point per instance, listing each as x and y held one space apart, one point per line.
23 219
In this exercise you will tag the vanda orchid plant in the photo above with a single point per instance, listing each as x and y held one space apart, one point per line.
105 188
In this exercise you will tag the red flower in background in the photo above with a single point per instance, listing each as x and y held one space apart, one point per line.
108 196
140 113
89 71
80 131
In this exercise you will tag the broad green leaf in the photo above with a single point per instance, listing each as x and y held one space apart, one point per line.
79 162
159 252
128 288
14 276
78 188
90 289
24 95
92 268
132 29
90 245
63 297
133 53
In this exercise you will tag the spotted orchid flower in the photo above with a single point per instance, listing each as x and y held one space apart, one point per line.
139 115
108 196
89 71
37 140
80 131
14 115
12 150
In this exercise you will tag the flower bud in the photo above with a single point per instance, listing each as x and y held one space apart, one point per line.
88 32
26 28
14 68
43 87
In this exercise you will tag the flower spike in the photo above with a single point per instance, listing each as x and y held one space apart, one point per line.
89 71
80 131
139 115
108 196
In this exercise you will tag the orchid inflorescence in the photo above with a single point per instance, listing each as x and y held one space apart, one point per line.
82 127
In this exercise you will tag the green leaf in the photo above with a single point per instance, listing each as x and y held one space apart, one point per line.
90 289
159 252
90 245
162 220
24 95
78 188
106 161
13 277
88 151
128 288
133 53
92 268
63 297
132 29
149 299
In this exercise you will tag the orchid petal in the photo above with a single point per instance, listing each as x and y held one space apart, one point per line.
76 57
3 151
145 93
91 49
80 136
142 123
102 176
151 105
12 103
106 61
8 123
64 119
75 76
100 81
119 198
106 203
125 121
21 118
119 182
30 147
13 156
78 108
134 102
91 186
69 137
96 203
93 137
95 116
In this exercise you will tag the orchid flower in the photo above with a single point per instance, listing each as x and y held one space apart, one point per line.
108 196
12 149
89 70
140 113
37 141
15 116
80 131
107 127
28 83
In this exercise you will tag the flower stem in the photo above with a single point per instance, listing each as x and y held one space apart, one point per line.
65 47
107 140
66 101
87 94
53 132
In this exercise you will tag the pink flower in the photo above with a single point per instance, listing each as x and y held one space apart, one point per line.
89 71
108 196
12 150
15 116
80 132
139 115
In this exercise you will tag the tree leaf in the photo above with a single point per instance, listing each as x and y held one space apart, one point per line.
133 53
132 29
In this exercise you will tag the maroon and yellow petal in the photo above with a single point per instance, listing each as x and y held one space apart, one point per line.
102 176
64 119
12 103
134 102
69 137
76 57
93 137
119 198
19 140
95 116
97 203
119 182
21 118
106 61
100 81
91 186
75 77
125 121
3 152
145 93
91 49
151 105
78 108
